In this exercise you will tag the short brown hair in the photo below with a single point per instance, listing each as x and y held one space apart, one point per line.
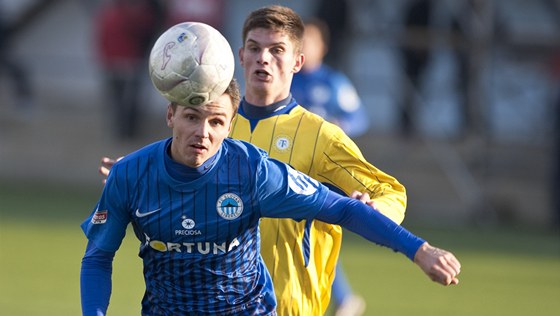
278 18
233 92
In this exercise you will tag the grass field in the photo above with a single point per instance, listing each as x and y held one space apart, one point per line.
505 271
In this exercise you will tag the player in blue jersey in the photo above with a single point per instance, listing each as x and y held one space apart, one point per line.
270 55
324 90
195 200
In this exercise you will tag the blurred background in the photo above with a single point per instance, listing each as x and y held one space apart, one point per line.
483 144
479 79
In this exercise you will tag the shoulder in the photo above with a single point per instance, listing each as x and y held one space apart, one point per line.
146 150
305 115
310 120
143 155
242 149
309 124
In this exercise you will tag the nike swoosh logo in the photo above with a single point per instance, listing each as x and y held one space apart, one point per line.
138 214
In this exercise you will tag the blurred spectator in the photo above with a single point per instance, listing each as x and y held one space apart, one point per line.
415 53
210 12
555 187
325 91
336 15
125 31
423 23
459 43
15 70
555 181
556 160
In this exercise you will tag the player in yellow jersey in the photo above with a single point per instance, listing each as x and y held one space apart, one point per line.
301 256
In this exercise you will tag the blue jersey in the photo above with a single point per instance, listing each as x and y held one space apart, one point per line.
199 240
331 95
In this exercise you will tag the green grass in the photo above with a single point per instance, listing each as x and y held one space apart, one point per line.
41 247
505 271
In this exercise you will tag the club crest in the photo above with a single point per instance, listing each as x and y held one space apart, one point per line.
282 143
229 206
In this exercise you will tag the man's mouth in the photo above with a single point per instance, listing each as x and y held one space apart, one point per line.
199 147
263 74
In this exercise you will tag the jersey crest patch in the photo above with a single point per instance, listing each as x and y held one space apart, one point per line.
229 206
300 183
282 143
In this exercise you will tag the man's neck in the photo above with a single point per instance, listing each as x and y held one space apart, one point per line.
252 111
264 99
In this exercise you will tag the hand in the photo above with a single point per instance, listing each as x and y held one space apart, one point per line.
364 197
106 165
440 265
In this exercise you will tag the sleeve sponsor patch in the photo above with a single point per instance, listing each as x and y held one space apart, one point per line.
301 183
99 217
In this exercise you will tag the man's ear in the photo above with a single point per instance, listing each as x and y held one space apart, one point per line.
300 60
240 52
169 116
232 122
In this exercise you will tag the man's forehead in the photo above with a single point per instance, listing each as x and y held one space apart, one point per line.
211 108
268 36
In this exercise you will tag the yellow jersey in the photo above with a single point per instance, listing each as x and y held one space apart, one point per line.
301 256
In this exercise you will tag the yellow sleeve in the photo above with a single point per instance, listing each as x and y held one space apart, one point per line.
345 167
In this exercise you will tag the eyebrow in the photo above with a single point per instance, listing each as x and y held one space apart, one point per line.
224 114
211 113
251 41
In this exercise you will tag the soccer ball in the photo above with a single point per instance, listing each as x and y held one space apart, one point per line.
191 63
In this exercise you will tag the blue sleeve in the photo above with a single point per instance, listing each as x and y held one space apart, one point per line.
106 226
284 192
95 280
369 223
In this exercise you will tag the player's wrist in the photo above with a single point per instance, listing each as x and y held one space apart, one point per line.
420 252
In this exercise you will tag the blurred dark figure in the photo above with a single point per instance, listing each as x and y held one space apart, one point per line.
458 40
422 27
125 31
14 69
415 57
210 12
556 185
324 90
555 181
335 14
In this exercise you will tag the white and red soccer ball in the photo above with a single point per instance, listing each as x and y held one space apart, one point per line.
191 63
